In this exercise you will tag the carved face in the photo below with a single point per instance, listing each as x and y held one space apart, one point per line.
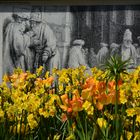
139 40
27 24
33 23
127 42
24 23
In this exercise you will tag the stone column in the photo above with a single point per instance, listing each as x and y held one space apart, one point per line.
1 44
5 12
97 30
104 26
67 37
129 16
88 18
112 25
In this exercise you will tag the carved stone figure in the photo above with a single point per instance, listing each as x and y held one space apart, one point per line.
92 58
102 54
114 49
46 53
77 56
15 42
128 51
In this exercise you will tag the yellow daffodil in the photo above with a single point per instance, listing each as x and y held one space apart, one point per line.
129 135
88 107
1 114
19 128
138 118
56 137
102 122
137 135
131 112
70 137
31 121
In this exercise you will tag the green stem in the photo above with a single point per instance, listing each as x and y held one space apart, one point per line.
134 126
86 131
116 110
107 86
79 122
95 122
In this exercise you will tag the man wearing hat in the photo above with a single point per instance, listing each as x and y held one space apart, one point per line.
114 49
138 51
92 58
77 56
103 53
128 51
15 41
46 53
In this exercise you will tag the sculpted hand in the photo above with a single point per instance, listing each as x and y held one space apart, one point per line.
44 58
30 33
37 42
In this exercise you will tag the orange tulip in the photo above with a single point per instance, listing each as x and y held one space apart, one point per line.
90 83
87 94
102 98
50 79
69 110
64 99
99 106
102 86
76 104
120 82
63 107
111 84
111 98
64 117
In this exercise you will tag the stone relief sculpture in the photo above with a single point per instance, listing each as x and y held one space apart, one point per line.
128 51
46 52
32 38
15 42
29 43
77 55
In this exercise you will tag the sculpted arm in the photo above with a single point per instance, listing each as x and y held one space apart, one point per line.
18 43
49 43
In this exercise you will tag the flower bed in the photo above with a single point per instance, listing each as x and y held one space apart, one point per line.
70 105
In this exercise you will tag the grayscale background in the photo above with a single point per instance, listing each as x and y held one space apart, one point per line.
93 24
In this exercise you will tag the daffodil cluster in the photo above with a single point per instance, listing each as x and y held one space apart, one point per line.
24 97
71 103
